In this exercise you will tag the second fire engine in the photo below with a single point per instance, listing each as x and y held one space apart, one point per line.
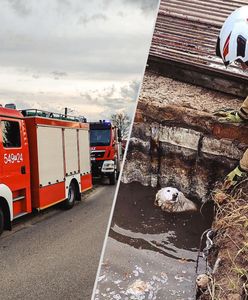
106 151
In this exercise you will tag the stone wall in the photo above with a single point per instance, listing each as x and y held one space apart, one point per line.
182 147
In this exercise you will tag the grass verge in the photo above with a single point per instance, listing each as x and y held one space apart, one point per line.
230 279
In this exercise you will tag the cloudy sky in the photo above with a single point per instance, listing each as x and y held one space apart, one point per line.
85 55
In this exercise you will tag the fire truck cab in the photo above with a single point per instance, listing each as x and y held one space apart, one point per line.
45 159
106 152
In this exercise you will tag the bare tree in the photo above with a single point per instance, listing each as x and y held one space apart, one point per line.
122 121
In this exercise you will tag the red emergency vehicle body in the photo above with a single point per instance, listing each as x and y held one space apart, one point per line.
105 150
102 153
43 161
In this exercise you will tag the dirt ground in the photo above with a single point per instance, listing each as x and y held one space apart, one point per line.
162 91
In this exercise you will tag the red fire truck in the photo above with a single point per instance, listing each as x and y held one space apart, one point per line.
106 152
45 160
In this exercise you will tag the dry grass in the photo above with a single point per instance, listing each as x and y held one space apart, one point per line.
230 281
233 212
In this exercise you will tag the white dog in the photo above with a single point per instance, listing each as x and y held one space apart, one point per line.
172 200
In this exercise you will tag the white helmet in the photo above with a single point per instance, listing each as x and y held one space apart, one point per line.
232 44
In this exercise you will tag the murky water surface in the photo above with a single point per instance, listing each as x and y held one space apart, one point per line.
150 254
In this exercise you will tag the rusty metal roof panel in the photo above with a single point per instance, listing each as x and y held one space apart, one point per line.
187 31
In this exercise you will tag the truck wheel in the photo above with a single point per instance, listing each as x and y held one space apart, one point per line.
72 195
1 221
112 178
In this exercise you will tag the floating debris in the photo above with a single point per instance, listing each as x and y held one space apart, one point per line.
202 281
139 287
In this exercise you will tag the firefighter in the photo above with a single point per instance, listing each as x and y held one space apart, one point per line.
232 47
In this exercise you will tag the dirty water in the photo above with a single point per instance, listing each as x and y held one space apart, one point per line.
150 254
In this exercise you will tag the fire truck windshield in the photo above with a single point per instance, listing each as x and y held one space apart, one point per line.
100 137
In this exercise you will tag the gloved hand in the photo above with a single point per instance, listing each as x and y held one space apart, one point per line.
223 112
228 115
234 177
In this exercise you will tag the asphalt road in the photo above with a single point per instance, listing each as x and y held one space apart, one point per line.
55 254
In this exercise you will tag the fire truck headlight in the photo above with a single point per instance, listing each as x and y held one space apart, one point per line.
108 166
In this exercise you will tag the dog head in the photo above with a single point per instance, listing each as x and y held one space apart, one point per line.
167 195
172 200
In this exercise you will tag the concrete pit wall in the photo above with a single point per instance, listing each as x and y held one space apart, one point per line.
181 147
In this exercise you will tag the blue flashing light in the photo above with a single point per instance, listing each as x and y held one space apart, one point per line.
105 121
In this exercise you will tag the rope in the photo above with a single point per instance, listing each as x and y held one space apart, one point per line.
209 233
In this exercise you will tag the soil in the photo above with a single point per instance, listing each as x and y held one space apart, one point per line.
162 91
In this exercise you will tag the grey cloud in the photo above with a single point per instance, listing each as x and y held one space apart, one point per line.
120 14
96 55
57 75
65 3
23 101
20 7
106 3
86 97
110 92
113 48
106 99
35 76
147 6
111 103
130 91
87 19
105 51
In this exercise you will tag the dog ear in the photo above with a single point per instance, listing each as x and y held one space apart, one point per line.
180 196
158 194
157 198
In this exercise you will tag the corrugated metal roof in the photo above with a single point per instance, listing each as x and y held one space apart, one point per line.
187 31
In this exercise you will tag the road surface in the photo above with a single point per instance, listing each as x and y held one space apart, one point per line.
55 254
